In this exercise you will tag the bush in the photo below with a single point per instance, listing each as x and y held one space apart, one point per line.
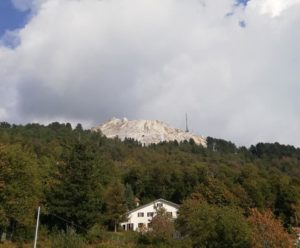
69 239
214 225
144 239
96 234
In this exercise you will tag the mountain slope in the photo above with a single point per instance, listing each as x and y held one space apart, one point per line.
146 131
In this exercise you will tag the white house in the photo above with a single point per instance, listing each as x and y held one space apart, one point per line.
142 215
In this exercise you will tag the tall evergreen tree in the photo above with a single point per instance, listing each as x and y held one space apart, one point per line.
76 192
129 196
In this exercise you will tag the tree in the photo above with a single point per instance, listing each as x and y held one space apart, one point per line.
5 125
214 191
79 127
162 227
160 231
75 191
268 232
287 198
129 196
19 188
115 204
220 145
211 226
256 186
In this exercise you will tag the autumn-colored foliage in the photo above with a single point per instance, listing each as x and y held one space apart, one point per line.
267 231
162 226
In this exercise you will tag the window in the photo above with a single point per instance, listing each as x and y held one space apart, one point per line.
169 214
150 214
159 204
130 226
140 214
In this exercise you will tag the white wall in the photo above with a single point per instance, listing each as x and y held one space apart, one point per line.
135 220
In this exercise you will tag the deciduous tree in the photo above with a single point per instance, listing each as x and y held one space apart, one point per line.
115 204
20 189
211 226
267 231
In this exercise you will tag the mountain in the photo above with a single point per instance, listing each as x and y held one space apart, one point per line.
146 131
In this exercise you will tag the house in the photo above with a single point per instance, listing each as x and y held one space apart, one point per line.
142 215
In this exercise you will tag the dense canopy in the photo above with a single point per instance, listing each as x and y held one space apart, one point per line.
81 180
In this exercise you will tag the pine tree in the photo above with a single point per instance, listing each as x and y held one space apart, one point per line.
129 196
76 192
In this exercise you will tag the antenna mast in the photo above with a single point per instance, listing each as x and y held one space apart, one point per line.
186 123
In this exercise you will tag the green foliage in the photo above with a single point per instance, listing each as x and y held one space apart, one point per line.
20 189
216 192
69 239
115 205
129 195
95 234
212 226
276 150
71 173
220 145
75 195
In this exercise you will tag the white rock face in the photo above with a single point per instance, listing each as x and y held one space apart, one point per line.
146 131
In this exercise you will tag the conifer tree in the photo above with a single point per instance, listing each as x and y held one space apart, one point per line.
76 193
129 196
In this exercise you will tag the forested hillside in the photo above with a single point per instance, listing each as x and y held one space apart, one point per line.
85 181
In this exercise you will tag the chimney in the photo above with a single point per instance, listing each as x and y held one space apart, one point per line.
137 201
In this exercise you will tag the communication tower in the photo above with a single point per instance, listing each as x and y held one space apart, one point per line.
186 123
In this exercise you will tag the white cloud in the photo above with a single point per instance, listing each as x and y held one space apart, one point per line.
25 5
272 7
90 60
3 113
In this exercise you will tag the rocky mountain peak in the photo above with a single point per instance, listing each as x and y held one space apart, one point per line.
146 131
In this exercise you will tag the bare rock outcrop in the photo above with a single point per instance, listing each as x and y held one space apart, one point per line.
146 131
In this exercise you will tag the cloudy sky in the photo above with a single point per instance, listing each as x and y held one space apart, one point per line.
234 67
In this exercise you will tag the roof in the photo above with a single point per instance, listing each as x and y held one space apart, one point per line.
153 202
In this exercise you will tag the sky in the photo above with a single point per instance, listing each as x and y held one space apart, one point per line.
10 17
232 66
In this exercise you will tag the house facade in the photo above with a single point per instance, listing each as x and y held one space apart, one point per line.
141 216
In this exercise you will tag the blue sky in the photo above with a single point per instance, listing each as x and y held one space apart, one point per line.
243 2
10 17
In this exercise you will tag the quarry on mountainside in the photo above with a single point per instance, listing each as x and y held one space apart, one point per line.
146 131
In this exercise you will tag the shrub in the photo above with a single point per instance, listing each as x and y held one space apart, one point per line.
69 239
95 234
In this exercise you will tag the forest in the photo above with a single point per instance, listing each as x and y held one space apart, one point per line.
229 196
